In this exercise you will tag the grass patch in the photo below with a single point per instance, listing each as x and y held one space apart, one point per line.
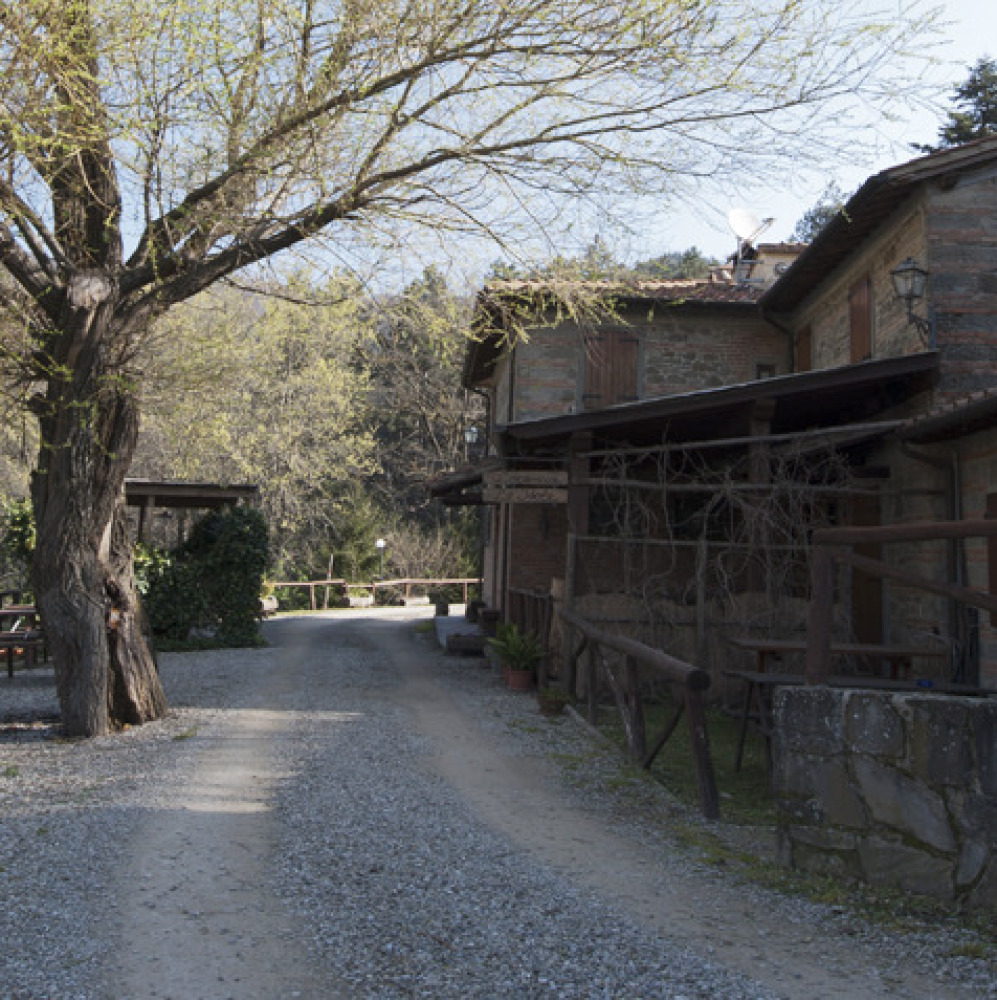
11 771
187 734
424 628
971 949
524 726
745 795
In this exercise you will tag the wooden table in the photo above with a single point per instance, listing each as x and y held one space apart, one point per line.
760 686
20 630
898 657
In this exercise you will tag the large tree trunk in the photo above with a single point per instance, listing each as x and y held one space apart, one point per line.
82 570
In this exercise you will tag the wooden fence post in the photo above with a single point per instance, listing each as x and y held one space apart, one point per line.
709 800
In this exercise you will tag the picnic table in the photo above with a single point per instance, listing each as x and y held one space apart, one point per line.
20 634
899 658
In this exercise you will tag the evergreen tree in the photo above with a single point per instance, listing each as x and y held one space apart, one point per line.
975 114
815 218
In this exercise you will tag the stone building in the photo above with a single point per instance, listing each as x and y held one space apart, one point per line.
673 461
622 435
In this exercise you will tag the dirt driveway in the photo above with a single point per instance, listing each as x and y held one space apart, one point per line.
206 921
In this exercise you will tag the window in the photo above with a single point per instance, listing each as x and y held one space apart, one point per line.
860 319
611 368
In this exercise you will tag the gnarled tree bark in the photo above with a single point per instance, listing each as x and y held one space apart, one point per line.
82 568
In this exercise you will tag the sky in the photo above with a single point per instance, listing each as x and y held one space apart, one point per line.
971 34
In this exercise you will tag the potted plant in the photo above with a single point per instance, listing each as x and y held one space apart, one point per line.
519 653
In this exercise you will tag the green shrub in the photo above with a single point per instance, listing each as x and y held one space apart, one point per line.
213 581
228 549
172 597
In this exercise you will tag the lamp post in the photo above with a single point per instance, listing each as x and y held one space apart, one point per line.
910 281
470 440
380 545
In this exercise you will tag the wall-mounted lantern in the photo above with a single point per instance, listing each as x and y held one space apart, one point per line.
910 282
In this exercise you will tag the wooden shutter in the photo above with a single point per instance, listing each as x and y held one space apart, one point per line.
860 319
611 362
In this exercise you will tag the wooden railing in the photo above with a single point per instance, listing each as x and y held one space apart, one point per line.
532 611
832 545
623 677
404 584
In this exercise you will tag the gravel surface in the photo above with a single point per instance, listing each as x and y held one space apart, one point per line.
390 883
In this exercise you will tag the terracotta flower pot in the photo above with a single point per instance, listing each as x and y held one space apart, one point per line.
519 680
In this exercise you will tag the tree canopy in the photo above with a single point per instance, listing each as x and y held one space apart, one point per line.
815 218
975 112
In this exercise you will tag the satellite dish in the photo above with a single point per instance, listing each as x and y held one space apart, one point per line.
746 225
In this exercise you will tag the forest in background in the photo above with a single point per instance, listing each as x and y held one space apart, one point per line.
336 403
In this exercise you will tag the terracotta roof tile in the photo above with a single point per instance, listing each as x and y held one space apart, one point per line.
677 291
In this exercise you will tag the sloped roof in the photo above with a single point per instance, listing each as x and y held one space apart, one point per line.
867 209
806 400
154 493
953 418
502 305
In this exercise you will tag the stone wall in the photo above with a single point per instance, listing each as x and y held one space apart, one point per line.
899 789
683 348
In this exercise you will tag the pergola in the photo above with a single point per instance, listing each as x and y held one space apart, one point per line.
149 495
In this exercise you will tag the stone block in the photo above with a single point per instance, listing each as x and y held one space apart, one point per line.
800 810
941 744
824 852
873 725
819 791
972 860
893 862
906 805
985 737
841 804
808 720
974 816
984 894
823 838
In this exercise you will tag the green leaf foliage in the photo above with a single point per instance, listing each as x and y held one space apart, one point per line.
975 115
215 579
516 650
229 550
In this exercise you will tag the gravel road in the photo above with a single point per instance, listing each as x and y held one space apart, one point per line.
349 813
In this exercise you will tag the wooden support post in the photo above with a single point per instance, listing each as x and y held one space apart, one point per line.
709 799
821 614
702 562
592 694
665 736
625 685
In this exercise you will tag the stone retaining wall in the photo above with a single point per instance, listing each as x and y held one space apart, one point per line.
889 788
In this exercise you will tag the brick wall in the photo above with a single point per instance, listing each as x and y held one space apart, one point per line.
962 259
682 350
826 311
538 548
